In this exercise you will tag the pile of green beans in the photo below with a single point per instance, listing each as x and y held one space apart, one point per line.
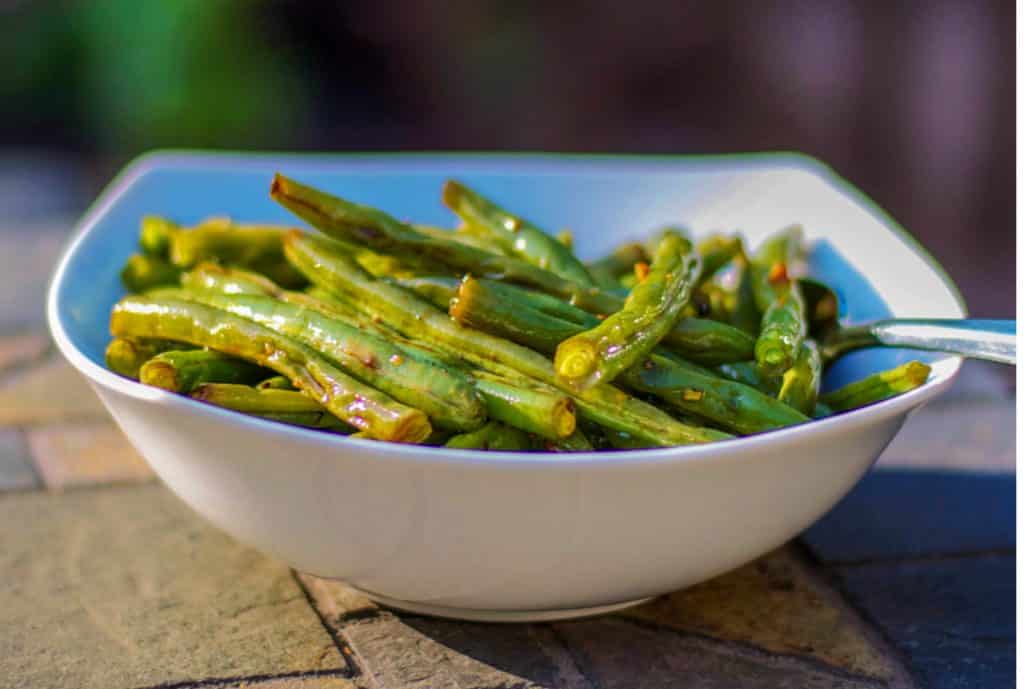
492 336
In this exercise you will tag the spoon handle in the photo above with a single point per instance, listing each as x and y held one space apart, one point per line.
993 340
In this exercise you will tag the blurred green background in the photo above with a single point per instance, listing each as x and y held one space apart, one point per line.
912 101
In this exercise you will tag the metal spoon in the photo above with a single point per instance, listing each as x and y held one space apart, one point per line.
992 340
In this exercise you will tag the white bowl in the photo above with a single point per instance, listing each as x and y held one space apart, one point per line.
510 536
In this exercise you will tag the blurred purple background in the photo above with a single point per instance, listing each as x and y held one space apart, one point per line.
913 102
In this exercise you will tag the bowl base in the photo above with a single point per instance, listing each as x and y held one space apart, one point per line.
507 616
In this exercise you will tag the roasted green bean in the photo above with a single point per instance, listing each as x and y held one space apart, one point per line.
351 401
183 371
877 387
650 312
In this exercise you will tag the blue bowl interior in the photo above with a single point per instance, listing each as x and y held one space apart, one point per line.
603 201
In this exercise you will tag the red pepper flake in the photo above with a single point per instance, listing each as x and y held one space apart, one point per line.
641 270
778 273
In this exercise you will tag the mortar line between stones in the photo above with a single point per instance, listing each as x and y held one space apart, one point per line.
574 656
224 681
26 450
352 668
747 648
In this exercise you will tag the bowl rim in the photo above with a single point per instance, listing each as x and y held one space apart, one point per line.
157 159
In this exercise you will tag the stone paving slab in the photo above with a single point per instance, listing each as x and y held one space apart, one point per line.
85 454
913 513
52 392
118 588
953 618
773 613
16 472
778 605
618 654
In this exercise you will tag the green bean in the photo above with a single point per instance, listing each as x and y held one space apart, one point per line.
466 238
625 441
251 246
627 336
603 404
744 313
783 323
514 234
359 224
155 236
142 272
822 307
485 305
783 329
125 357
713 342
249 399
606 271
656 237
220 239
291 407
683 386
275 383
716 251
182 371
577 442
801 382
878 387
446 395
216 278
438 290
743 372
493 436
699 340
210 277
693 390
532 408
200 325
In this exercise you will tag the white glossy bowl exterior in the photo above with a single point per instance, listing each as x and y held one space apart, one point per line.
472 532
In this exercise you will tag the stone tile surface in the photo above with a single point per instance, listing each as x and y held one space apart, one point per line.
125 587
49 393
618 654
954 618
772 619
17 350
778 605
83 454
16 472
911 513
